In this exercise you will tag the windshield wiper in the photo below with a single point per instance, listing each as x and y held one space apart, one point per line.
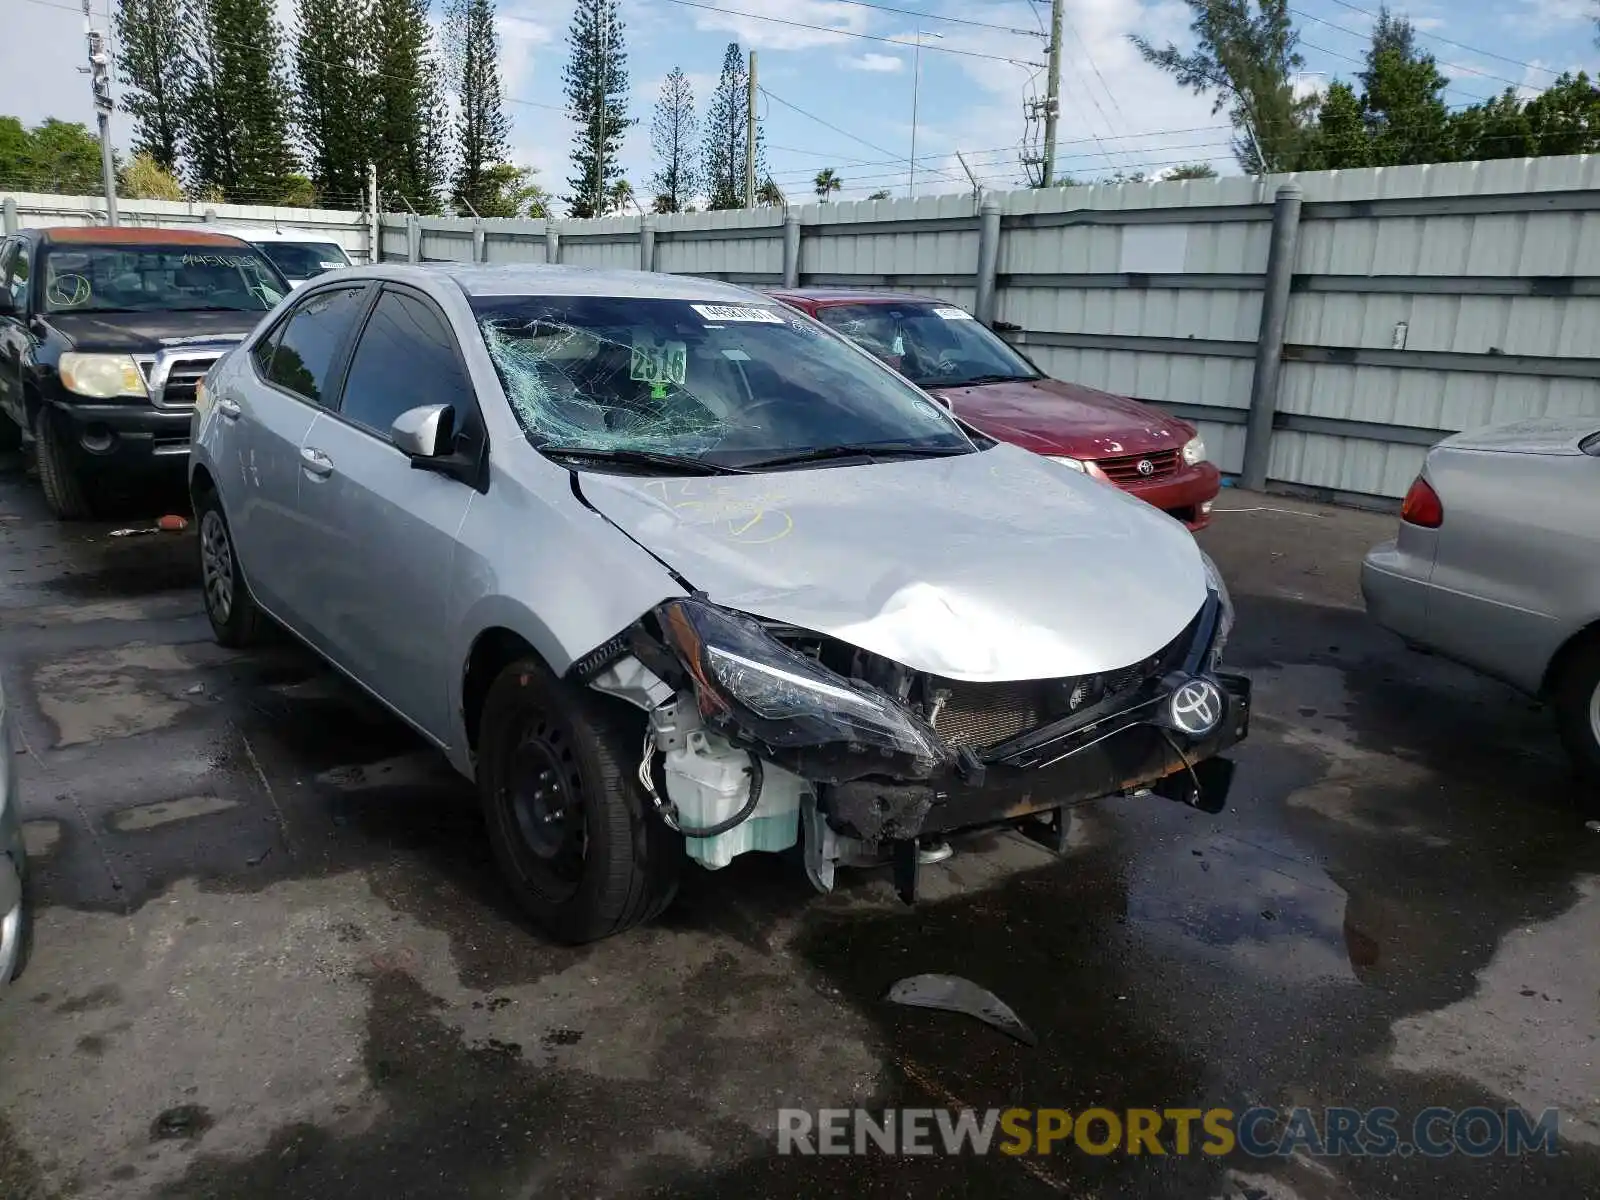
678 464
977 380
109 308
856 450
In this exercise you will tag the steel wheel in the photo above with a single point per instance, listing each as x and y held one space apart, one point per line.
545 793
216 565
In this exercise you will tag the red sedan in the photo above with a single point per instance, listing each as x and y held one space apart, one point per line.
990 386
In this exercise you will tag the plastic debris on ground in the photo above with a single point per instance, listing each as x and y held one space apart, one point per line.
952 993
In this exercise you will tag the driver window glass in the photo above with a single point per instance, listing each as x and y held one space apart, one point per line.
17 281
406 358
305 353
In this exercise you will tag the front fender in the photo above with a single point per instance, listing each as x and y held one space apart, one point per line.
534 560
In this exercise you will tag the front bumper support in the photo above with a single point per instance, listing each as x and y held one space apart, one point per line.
1123 753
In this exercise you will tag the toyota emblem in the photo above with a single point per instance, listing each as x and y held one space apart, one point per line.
1196 707
1145 467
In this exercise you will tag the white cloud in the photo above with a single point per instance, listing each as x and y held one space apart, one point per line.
1548 13
887 63
785 24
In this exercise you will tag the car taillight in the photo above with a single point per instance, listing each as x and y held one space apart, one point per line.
1422 506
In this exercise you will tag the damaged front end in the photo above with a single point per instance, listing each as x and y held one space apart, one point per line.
760 734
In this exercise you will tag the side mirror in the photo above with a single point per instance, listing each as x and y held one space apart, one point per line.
424 432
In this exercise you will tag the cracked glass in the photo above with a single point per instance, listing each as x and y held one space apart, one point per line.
722 382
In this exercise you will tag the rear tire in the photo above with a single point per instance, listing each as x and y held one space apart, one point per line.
1576 699
65 490
570 825
235 619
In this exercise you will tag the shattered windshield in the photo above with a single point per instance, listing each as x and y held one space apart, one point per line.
145 278
934 345
729 384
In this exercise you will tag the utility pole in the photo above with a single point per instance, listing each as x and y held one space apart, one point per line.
1052 110
750 136
99 72
916 83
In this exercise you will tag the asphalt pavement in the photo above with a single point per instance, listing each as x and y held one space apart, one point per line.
274 959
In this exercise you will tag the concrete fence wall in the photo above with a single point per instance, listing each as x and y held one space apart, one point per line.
31 210
1403 304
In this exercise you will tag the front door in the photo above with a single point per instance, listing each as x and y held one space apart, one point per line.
382 533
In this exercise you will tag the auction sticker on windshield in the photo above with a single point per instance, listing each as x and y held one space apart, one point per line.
734 312
953 314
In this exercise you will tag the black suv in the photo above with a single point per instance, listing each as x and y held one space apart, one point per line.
105 334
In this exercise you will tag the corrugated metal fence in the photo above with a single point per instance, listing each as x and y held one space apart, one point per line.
1421 300
1417 300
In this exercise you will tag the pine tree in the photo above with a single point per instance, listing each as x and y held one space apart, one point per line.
1246 56
596 78
1406 115
672 135
408 121
333 99
481 124
148 31
235 100
1340 139
727 134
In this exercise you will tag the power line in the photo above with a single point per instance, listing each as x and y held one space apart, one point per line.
1357 33
844 132
870 37
1516 62
928 16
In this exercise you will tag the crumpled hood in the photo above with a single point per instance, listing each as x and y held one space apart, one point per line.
984 567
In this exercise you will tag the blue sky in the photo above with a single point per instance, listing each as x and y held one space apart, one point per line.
1117 112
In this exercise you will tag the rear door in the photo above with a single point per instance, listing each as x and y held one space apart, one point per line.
293 371
382 533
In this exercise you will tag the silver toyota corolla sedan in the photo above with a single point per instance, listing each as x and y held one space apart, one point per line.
1497 565
14 915
669 569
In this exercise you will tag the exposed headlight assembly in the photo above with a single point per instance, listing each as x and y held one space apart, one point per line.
755 689
1216 583
102 376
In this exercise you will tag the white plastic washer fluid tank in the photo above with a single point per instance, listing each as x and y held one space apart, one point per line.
709 781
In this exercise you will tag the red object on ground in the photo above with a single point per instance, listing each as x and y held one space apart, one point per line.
1122 441
172 524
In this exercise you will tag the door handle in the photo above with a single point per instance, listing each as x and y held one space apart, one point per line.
229 409
315 462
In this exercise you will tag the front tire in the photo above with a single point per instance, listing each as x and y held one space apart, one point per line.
65 489
570 825
235 619
1576 699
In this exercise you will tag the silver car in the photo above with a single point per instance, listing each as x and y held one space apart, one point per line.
14 914
671 570
1497 565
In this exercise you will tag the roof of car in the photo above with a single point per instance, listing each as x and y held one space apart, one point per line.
126 235
538 279
280 234
853 296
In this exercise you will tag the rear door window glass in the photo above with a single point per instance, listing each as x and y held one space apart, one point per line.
307 352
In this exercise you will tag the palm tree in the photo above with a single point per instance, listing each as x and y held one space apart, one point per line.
619 197
828 182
